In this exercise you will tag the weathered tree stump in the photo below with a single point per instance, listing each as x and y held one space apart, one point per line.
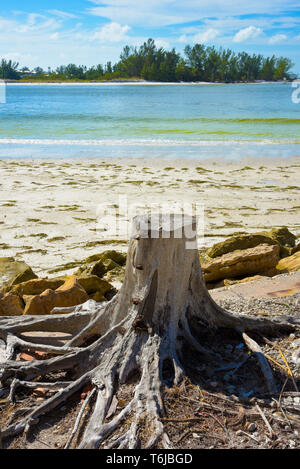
160 308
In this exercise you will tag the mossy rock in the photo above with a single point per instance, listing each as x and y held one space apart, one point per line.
93 284
95 268
284 238
101 264
239 242
116 274
116 256
280 236
97 296
13 272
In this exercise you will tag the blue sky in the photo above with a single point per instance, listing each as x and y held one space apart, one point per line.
52 33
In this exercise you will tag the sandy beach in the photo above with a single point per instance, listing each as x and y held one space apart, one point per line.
58 212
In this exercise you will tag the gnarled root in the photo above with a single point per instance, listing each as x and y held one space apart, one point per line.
162 308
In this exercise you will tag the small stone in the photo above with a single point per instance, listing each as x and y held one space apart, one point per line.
252 427
26 357
40 392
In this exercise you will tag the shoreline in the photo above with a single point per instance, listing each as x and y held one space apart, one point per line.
141 82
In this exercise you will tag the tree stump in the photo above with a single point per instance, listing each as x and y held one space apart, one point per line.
161 307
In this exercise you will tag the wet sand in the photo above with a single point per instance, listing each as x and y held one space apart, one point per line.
57 212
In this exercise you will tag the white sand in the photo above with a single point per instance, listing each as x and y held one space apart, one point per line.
50 208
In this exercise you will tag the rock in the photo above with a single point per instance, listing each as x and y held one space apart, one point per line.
116 256
27 298
40 392
37 286
98 297
86 390
26 357
93 284
108 263
251 427
71 293
96 268
241 263
281 236
289 264
238 242
115 273
13 272
11 305
230 281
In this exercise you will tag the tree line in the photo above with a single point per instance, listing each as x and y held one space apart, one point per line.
149 62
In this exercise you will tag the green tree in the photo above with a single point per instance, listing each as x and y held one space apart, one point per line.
9 70
282 67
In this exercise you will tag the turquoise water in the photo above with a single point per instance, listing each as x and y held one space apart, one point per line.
183 121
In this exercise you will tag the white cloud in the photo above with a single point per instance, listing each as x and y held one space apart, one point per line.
165 12
201 37
206 36
247 33
54 36
162 43
62 14
277 39
112 32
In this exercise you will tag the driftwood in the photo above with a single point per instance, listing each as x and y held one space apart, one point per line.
161 308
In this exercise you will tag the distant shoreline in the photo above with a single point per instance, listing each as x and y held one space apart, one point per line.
133 82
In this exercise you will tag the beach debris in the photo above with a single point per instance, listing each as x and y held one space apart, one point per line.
238 263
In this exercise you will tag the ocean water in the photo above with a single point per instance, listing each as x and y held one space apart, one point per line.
169 121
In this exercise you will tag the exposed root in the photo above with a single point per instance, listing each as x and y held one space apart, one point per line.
79 417
265 367
161 310
16 383
49 404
